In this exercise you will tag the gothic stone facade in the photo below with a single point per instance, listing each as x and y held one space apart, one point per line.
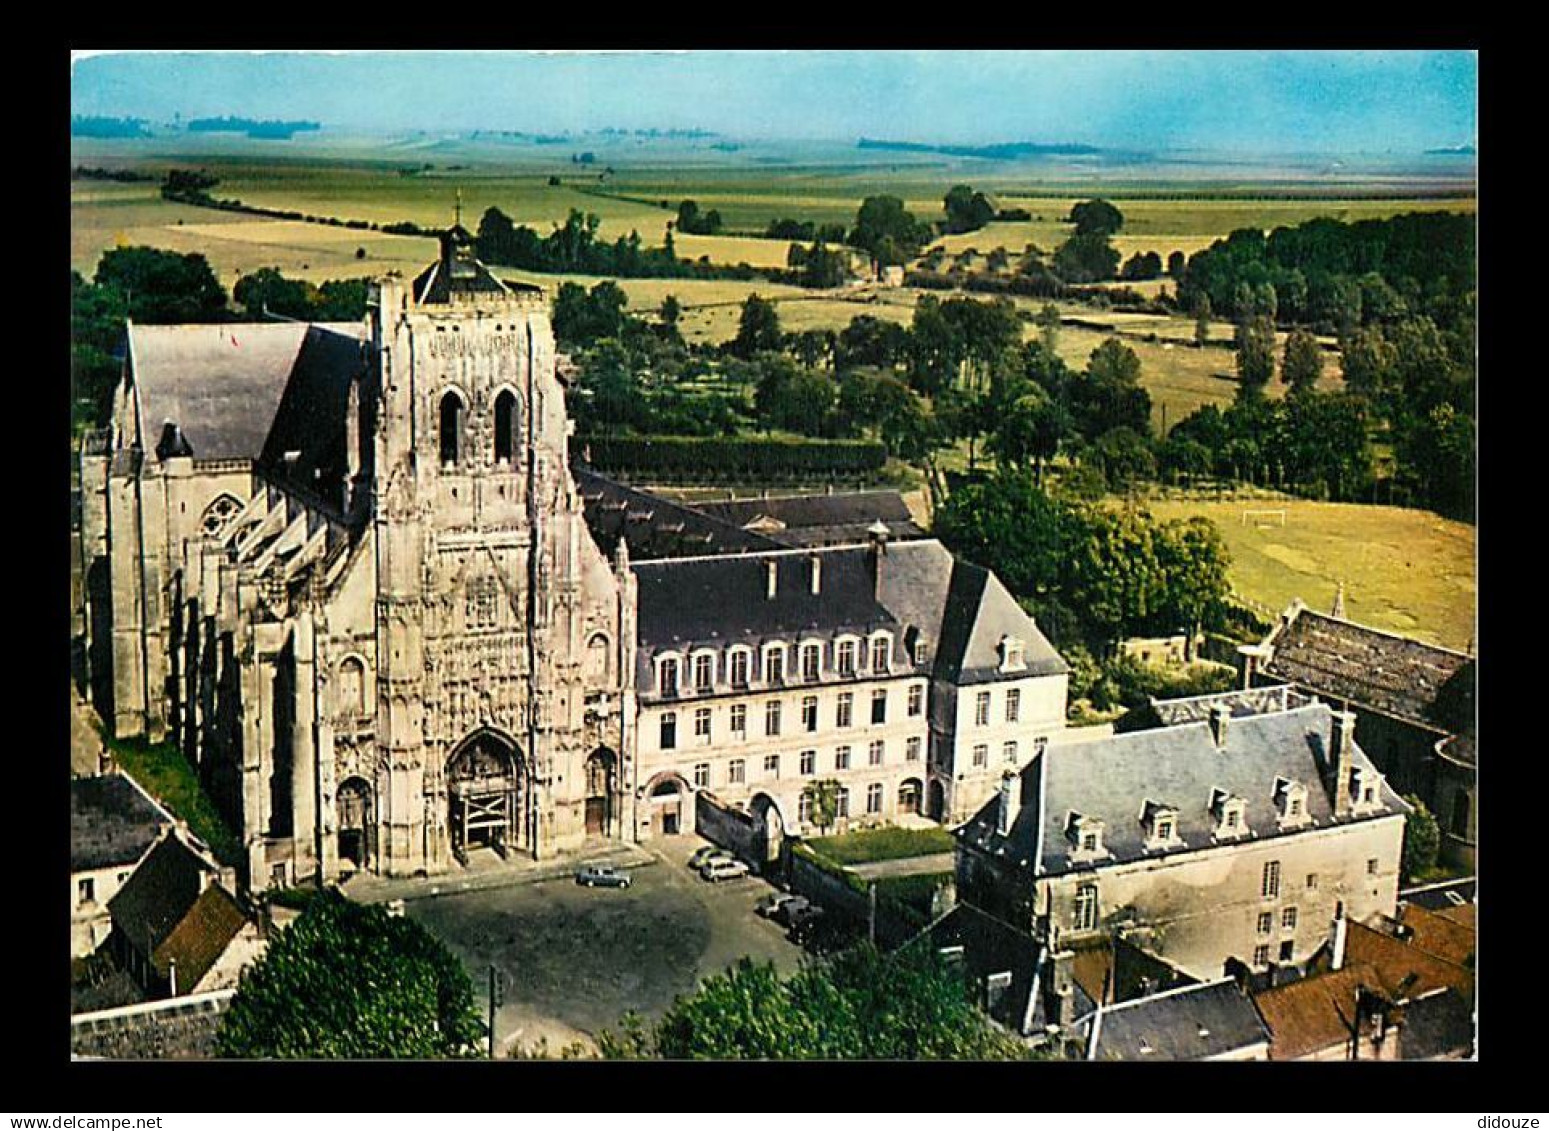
348 570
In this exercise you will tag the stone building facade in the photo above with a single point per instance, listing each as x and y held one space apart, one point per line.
349 570
1238 838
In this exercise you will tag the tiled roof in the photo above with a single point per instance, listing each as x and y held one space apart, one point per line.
1414 681
159 894
1111 779
201 937
1191 1023
1315 1013
1448 937
1406 971
112 822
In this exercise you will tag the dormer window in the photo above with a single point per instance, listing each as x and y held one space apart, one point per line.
1364 788
1161 824
811 662
1230 813
774 664
667 676
1012 654
881 654
1085 835
845 655
1291 802
739 667
919 650
704 672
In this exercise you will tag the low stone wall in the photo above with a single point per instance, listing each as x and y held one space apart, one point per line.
729 828
840 892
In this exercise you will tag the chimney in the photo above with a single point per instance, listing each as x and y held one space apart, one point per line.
815 565
771 579
1220 715
877 534
1341 757
1010 801
1337 937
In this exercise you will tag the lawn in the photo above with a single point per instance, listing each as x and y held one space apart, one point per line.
1406 571
166 775
887 843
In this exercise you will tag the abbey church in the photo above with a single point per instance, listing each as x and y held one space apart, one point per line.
352 572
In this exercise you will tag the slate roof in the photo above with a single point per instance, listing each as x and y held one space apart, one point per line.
654 527
1436 1025
1191 1023
960 611
820 520
458 272
1247 701
220 383
1112 779
1417 682
155 899
112 822
1440 897
311 418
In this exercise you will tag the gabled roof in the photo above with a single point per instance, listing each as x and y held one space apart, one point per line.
1437 1024
820 520
112 822
1406 971
1315 1013
1191 1023
1111 779
1448 937
1395 675
200 937
160 893
654 527
979 613
219 383
990 946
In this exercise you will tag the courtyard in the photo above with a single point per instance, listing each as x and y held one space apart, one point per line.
576 959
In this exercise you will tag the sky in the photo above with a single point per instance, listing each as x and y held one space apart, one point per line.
1246 101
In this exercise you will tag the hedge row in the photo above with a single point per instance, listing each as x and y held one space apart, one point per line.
698 458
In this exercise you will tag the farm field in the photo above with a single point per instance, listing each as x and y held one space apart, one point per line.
1406 571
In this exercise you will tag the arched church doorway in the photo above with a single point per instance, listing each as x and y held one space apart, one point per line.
486 785
601 787
769 828
355 822
936 801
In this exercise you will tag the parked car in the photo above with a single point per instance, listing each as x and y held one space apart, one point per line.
792 906
770 906
602 876
828 934
801 919
703 856
717 870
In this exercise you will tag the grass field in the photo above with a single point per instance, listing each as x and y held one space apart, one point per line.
886 843
1407 571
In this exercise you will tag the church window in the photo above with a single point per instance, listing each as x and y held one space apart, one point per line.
218 513
482 604
451 427
505 426
352 687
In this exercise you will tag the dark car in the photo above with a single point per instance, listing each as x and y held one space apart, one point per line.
770 906
792 906
602 876
801 920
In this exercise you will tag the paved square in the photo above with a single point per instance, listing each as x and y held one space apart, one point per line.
575 959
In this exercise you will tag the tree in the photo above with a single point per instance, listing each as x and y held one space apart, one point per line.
1048 322
670 311
347 981
1086 258
266 291
1030 430
886 230
1202 319
758 329
858 1005
1124 456
1302 364
1009 526
869 340
1113 362
1422 840
1096 217
163 286
967 211
1177 263
823 796
1367 361
1255 354
792 397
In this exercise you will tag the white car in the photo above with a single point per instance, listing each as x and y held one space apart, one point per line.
717 870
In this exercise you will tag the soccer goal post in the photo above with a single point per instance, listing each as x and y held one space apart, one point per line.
1264 517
